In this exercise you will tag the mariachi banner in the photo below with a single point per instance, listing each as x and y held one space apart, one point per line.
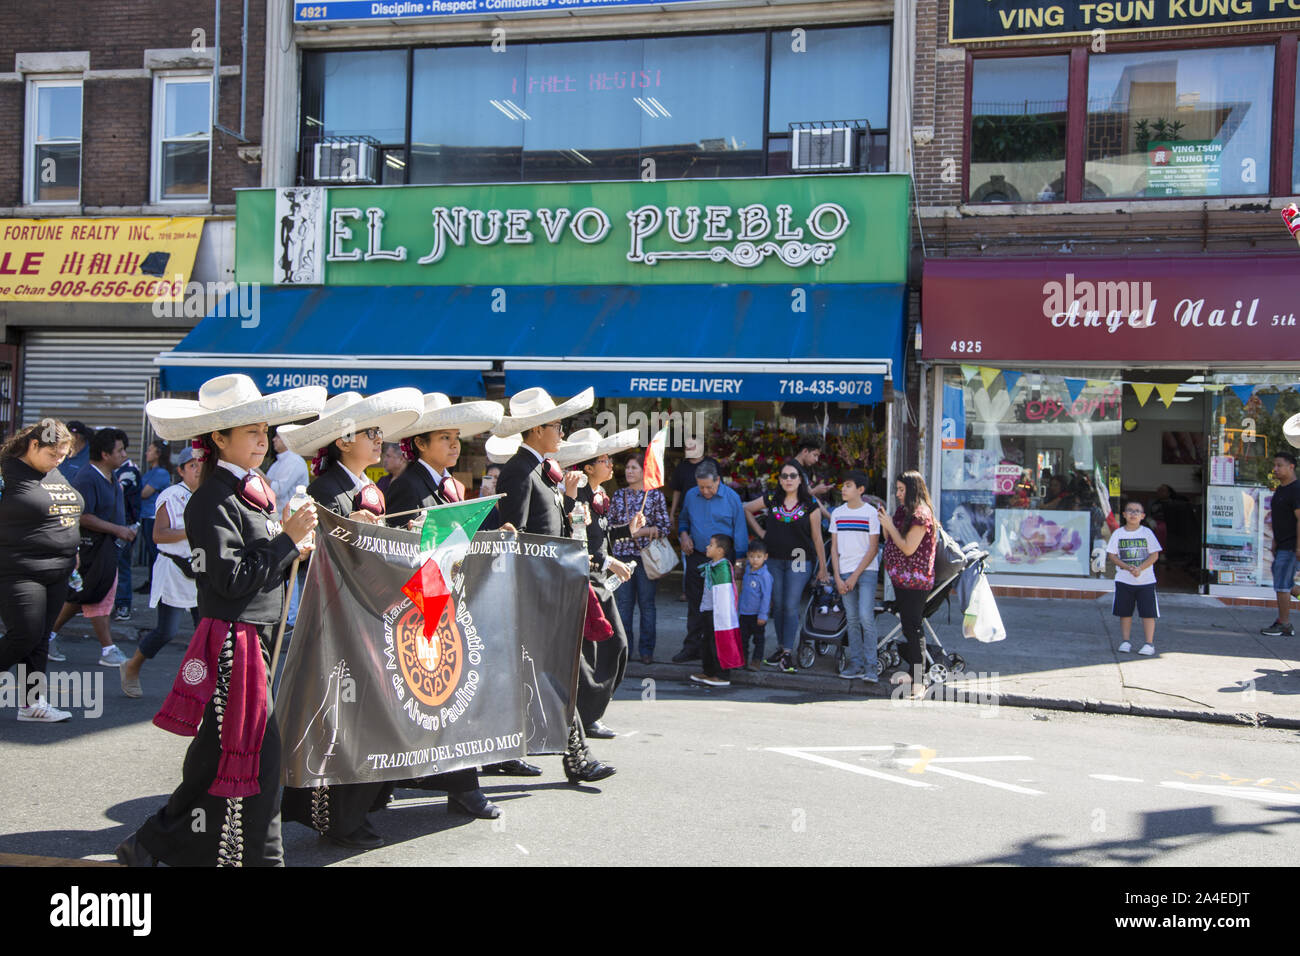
366 696
1175 310
816 229
97 260
973 20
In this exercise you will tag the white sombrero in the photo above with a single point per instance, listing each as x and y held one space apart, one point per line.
230 401
350 413
533 407
613 445
439 414
1292 430
501 450
575 453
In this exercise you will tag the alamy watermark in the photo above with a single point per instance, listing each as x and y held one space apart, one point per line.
683 428
78 690
242 300
981 689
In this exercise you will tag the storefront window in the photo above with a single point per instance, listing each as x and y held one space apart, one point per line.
1018 129
1246 419
1030 466
1185 123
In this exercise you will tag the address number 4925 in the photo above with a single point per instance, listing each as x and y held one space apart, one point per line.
967 346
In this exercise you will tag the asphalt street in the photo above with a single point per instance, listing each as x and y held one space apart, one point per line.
748 776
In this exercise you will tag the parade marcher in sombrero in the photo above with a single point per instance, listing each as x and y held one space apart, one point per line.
432 445
344 441
537 498
603 662
226 811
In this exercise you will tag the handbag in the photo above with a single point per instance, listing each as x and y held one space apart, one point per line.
658 558
949 559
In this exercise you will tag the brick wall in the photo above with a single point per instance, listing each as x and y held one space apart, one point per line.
117 111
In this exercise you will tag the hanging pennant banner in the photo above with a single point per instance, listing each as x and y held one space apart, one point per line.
1075 387
1143 392
968 371
1167 391
1243 392
988 376
1010 378
1269 401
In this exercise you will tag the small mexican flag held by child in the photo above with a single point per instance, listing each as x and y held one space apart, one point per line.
446 532
726 619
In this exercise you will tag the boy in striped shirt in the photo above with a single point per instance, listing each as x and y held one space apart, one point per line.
855 557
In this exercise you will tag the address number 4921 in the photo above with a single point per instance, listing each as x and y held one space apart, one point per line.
967 346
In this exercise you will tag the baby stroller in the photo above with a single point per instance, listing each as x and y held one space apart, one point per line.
825 626
939 665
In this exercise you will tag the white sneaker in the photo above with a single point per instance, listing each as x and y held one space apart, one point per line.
43 712
112 657
1148 650
1125 647
54 653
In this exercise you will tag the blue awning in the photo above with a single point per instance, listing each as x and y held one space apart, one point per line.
800 343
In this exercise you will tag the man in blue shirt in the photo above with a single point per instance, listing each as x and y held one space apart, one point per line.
709 508
79 457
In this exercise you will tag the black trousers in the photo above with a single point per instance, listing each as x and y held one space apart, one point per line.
752 635
29 606
602 666
197 829
709 648
696 620
339 809
911 608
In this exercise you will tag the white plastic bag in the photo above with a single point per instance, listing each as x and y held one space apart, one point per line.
982 620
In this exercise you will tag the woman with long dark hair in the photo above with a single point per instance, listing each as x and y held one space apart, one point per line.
40 516
243 547
793 534
909 558
640 591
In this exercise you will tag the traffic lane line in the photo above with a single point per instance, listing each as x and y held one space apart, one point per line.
852 768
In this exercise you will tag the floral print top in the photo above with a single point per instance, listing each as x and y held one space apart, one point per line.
625 504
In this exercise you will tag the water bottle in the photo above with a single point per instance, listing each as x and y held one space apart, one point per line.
612 580
298 500
74 582
578 523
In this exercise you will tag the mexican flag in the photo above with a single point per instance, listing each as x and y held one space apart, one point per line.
654 461
726 619
446 533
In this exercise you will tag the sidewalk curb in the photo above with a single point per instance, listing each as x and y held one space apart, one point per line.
821 683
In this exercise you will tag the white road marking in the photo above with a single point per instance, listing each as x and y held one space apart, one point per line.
520 848
1246 793
630 733
944 771
851 768
1112 777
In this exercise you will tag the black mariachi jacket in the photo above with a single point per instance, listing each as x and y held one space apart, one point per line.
600 532
239 555
415 488
334 490
532 503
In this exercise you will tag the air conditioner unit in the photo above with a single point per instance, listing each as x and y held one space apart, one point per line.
822 148
345 162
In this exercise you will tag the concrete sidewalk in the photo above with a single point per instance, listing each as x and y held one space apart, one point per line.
1211 663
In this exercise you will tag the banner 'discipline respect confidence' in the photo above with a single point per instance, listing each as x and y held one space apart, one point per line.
367 696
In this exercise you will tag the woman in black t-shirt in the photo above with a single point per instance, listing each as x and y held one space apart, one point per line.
40 518
793 531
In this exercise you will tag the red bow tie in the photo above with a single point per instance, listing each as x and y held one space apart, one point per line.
600 502
449 489
371 499
552 471
256 492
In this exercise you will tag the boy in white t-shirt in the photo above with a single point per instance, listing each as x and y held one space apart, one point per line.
1133 549
855 557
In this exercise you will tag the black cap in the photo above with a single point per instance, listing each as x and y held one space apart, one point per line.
80 428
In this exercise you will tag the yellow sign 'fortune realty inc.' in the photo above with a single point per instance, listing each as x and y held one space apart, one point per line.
97 260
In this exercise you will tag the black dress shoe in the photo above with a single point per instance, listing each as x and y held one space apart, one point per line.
600 731
474 803
362 838
514 768
684 656
589 772
131 852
